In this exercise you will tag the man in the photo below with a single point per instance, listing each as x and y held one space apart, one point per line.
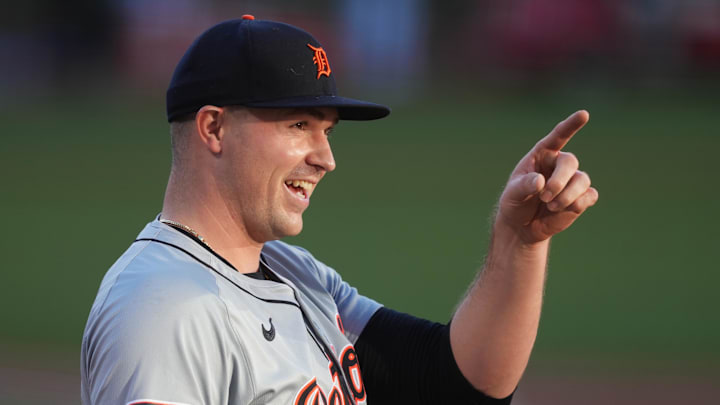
208 307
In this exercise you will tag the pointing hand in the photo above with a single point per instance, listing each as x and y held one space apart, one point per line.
546 192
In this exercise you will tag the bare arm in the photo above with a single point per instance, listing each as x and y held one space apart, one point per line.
494 328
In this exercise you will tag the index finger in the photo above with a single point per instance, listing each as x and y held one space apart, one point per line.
564 130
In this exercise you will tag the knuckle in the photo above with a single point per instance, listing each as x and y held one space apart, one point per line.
594 195
562 201
553 185
577 208
571 159
583 177
585 201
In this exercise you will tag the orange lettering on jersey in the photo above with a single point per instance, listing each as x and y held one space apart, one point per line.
339 323
320 59
335 397
311 394
351 366
336 394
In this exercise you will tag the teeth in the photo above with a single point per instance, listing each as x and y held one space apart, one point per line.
305 185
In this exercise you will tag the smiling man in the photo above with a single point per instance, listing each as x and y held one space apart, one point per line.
208 306
247 174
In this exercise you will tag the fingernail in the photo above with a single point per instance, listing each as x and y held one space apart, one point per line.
552 206
546 196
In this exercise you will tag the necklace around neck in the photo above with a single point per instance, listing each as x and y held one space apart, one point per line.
199 237
187 229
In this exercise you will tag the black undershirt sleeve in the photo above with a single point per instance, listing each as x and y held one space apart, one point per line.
408 360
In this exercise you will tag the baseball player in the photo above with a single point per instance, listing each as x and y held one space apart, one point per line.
207 306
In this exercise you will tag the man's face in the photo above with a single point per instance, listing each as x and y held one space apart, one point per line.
271 162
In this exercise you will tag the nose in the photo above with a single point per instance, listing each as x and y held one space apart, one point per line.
321 155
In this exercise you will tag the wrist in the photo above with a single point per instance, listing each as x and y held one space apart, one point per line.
505 235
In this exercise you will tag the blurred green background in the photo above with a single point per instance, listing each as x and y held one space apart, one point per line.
631 297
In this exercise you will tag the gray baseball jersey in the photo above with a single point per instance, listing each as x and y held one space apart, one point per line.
174 324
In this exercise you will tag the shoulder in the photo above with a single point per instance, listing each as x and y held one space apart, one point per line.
158 287
162 273
158 318
298 264
294 258
279 249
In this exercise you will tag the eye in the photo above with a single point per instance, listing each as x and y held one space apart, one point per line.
302 125
329 132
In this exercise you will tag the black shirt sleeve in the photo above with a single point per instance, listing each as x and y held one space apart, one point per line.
408 360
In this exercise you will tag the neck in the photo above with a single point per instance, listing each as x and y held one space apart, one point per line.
211 218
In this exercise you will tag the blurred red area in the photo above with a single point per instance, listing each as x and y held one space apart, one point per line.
537 34
138 43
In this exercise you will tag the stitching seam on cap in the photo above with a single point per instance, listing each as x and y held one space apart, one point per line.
248 52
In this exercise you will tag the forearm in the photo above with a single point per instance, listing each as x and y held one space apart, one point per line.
494 328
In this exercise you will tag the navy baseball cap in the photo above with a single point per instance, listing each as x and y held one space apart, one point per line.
263 64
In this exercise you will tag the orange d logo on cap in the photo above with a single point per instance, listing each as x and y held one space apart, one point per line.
320 59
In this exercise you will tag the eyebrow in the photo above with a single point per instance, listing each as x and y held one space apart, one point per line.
315 113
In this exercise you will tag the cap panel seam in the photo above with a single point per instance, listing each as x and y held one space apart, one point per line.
248 51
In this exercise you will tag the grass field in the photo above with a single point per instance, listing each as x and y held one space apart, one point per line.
405 217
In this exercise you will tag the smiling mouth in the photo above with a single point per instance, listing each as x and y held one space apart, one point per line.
300 188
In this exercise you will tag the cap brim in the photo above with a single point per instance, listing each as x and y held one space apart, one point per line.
348 109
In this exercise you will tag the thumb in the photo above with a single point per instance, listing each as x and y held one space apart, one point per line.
522 187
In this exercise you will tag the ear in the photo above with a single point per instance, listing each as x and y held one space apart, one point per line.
209 125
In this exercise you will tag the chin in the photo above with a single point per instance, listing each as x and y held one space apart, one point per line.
288 228
295 230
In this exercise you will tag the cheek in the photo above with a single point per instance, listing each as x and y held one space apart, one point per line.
264 162
286 151
242 176
285 159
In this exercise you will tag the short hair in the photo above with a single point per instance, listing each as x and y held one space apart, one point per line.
181 130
